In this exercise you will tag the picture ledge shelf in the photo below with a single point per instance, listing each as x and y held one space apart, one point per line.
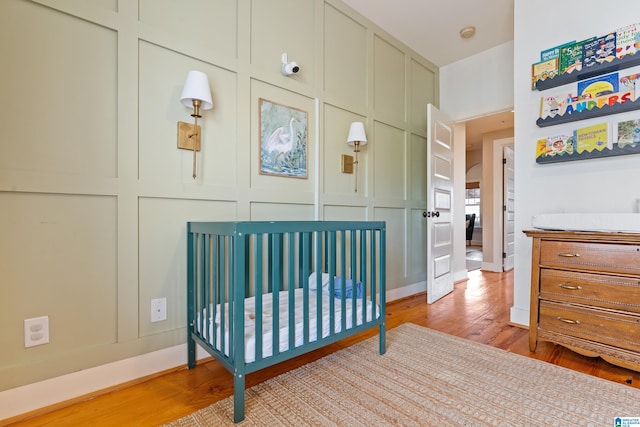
626 61
589 114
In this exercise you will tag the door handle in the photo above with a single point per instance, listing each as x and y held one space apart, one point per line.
431 214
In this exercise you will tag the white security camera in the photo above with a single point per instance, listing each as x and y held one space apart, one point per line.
288 68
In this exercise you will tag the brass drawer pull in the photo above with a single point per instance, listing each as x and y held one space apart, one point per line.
570 287
573 322
569 255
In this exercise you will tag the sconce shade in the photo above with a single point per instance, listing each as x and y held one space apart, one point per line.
357 133
197 87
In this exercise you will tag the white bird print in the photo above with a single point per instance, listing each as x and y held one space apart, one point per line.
282 143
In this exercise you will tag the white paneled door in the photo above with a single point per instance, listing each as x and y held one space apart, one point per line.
508 218
439 205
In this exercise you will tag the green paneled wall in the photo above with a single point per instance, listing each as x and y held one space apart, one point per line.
94 193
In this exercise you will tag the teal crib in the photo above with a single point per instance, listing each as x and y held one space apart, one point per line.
259 293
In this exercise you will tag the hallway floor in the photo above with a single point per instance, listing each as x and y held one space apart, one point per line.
474 257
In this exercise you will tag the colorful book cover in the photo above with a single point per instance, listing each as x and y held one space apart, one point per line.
591 138
626 40
628 133
559 145
551 106
543 70
628 84
598 50
541 148
570 58
598 86
553 52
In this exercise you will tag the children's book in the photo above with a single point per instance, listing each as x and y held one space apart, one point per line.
628 84
553 52
570 58
628 133
543 70
559 145
626 40
541 148
598 86
592 138
551 106
598 50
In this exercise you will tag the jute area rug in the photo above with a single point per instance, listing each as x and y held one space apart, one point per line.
427 378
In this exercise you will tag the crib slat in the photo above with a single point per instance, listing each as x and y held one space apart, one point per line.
257 284
363 272
343 282
201 279
318 291
306 260
275 252
331 253
372 274
212 282
225 295
204 288
291 288
354 273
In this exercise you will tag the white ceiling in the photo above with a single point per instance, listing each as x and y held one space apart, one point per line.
432 29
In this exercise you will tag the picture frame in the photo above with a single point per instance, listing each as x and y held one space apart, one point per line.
283 140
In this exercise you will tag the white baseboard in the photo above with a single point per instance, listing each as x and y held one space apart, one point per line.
490 266
460 275
406 291
519 316
49 392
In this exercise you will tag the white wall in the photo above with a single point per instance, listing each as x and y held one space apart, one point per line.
478 85
472 87
597 185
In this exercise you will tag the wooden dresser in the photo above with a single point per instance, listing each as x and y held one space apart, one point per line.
585 293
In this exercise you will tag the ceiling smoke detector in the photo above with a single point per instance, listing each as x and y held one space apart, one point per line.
468 32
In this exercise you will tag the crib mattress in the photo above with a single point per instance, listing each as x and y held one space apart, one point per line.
607 222
267 321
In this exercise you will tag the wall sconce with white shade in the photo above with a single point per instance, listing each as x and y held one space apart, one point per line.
357 138
197 94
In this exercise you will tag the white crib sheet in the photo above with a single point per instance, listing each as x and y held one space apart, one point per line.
267 321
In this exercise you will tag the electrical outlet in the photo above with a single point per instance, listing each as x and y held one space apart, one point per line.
36 331
158 309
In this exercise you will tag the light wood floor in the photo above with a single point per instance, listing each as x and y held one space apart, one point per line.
477 310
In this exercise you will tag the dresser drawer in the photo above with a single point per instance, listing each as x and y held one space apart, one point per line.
602 326
602 257
598 290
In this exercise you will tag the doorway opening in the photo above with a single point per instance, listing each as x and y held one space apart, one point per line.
483 165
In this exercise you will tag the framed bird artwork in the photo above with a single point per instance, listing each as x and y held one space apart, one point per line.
283 140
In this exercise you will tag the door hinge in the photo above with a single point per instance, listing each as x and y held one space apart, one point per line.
504 255
504 161
504 208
